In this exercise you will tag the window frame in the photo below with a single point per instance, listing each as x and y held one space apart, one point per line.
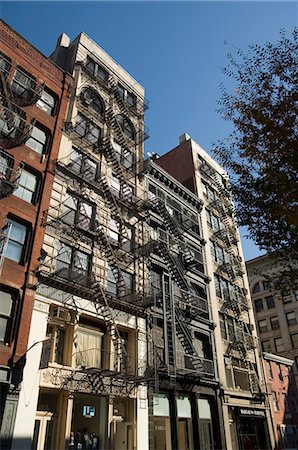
12 316
279 344
45 145
262 329
291 320
53 109
258 301
274 324
85 124
25 245
292 341
96 69
71 267
35 193
15 81
269 299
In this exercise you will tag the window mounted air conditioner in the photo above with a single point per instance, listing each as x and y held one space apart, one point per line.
61 314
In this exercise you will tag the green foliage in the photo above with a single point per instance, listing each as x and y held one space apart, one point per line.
261 151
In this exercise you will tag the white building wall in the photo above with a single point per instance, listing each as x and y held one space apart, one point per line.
25 418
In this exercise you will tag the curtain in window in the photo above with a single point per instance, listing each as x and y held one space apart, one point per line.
88 348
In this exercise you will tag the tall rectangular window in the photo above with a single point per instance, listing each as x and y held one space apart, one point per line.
7 303
266 346
274 323
262 326
22 84
291 318
38 140
294 339
17 240
259 305
279 346
47 102
26 189
275 402
270 302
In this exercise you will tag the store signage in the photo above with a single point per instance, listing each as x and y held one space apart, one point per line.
88 411
249 412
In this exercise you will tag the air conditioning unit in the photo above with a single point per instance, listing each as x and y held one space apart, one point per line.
61 314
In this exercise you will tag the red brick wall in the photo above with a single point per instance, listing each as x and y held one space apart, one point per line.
179 163
16 275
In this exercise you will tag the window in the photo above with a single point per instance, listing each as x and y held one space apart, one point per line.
286 297
279 372
127 96
12 123
274 322
86 129
263 326
89 348
270 371
26 189
96 70
47 102
275 402
222 324
92 99
296 295
256 288
294 339
120 234
279 346
73 264
78 212
5 64
259 305
23 84
82 164
111 282
38 140
7 306
126 126
291 318
266 285
217 286
270 302
16 242
6 163
126 156
266 346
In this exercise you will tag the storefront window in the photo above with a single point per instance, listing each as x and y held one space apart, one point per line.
184 428
162 423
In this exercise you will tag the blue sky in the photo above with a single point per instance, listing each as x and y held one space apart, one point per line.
175 49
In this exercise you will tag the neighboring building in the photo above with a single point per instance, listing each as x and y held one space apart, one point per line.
243 393
283 395
184 399
92 289
276 310
33 101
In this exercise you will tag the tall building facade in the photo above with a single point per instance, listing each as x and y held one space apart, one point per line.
275 308
184 408
87 382
33 101
243 390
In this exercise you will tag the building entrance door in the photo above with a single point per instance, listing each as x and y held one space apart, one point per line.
43 431
123 436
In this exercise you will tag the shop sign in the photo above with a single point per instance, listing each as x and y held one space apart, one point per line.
249 412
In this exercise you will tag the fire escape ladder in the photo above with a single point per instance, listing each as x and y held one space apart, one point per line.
108 251
171 333
186 339
174 227
114 159
4 238
109 318
174 265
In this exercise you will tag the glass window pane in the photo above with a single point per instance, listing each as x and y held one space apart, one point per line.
183 407
204 409
3 326
14 251
5 303
161 405
39 135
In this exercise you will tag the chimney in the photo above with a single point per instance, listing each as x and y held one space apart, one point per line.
183 138
63 40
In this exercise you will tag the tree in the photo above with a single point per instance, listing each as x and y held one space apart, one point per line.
260 151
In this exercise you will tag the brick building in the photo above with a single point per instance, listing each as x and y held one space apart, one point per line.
283 398
33 102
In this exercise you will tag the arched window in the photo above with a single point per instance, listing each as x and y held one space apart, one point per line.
126 126
256 288
91 98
